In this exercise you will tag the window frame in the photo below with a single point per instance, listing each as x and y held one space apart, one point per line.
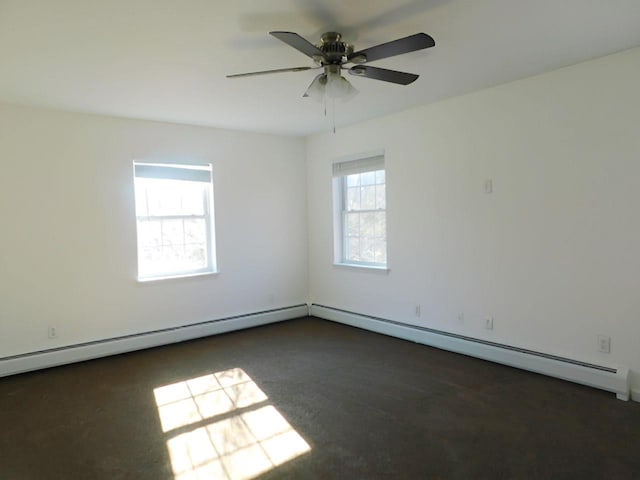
341 237
207 215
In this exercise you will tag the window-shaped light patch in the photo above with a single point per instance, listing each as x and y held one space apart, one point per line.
197 399
234 438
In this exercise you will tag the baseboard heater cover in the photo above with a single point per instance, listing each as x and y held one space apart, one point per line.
612 379
101 348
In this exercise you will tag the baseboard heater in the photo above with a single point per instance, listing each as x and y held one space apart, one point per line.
140 341
612 379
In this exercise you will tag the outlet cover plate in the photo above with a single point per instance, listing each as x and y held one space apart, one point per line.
604 344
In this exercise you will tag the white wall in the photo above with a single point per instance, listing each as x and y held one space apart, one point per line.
552 254
67 227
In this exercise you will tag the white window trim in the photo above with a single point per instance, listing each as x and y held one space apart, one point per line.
208 215
177 277
340 210
368 268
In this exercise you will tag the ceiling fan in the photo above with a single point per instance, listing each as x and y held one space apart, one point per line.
332 54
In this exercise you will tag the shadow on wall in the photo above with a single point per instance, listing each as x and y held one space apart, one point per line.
221 426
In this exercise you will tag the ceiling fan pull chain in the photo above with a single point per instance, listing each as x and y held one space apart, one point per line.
333 114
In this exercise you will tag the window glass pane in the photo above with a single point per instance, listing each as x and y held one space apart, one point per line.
353 198
368 199
353 246
380 251
353 224
162 198
367 224
381 201
173 258
192 196
195 230
367 250
174 197
380 228
380 176
195 255
172 232
149 233
353 180
148 258
368 178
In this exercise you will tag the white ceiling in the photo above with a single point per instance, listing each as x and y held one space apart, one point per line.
167 59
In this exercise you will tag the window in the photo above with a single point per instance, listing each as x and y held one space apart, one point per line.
174 213
360 212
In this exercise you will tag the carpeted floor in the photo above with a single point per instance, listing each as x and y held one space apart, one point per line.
308 399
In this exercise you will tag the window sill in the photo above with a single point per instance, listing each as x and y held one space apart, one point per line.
176 277
369 268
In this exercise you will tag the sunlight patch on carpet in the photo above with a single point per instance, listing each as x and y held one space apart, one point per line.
221 426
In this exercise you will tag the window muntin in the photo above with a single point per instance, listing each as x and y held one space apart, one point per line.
174 216
361 206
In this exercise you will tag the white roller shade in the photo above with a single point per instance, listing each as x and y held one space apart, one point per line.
191 174
361 165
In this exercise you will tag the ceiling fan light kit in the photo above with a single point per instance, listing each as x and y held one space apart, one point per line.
330 84
332 54
339 87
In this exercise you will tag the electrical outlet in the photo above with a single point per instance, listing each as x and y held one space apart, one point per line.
604 344
461 318
488 186
488 323
52 332
418 310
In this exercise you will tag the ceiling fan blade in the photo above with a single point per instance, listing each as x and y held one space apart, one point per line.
383 74
266 72
296 41
408 44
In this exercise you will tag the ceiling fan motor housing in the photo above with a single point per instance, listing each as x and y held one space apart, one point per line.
335 50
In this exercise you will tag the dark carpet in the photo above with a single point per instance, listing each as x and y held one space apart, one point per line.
308 399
